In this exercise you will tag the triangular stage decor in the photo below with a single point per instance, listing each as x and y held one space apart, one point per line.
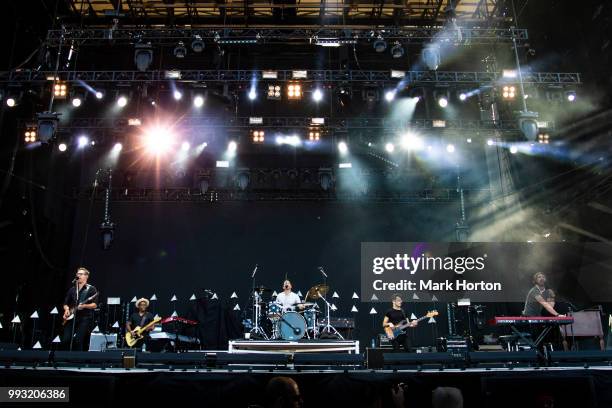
335 295
333 307
354 309
412 316
134 300
434 298
234 296
34 315
116 325
431 320
56 340
274 294
37 345
192 297
54 311
299 293
96 330
16 319
174 314
237 307
153 297
355 296
373 311
415 297
374 297
173 298
214 296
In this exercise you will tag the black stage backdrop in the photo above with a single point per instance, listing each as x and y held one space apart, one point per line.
170 248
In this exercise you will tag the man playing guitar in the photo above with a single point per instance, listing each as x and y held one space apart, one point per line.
141 318
393 317
79 304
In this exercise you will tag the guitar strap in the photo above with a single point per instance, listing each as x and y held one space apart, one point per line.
142 319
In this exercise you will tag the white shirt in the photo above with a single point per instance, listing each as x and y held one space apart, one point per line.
287 301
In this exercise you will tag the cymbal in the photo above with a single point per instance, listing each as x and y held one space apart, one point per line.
316 291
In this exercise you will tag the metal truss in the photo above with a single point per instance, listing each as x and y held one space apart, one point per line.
23 77
262 35
182 194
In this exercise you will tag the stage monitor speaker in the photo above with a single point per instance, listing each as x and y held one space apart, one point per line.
586 357
171 360
24 357
88 359
102 342
248 360
328 360
374 357
496 359
422 360
9 346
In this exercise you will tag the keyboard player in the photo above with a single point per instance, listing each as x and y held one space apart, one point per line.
540 299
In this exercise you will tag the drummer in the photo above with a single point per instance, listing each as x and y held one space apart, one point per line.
288 300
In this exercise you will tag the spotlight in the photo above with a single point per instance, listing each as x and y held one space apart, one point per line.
47 125
462 96
62 147
528 124
397 51
390 147
82 141
294 91
412 142
30 134
571 96
252 94
197 45
232 146
469 140
314 135
431 56
76 101
274 91
513 149
180 51
143 56
122 101
158 140
258 136
117 147
185 146
60 90
317 95
450 148
11 102
342 147
509 92
380 45
443 102
198 101
99 95
389 96
177 95
543 138
489 142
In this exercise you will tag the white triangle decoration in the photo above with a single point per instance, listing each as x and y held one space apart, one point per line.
54 311
34 315
214 296
333 307
56 340
234 296
274 294
354 309
116 325
96 330
412 316
374 297
237 307
134 300
174 314
355 296
16 319
335 295
156 316
431 320
415 297
37 345
0 325
299 293
373 311
434 298
18 348
153 297
173 298
192 297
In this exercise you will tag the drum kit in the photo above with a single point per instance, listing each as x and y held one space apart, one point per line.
304 321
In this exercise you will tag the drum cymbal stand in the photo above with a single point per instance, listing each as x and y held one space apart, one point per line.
328 327
257 330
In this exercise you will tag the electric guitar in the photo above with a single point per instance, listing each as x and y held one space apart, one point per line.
400 328
134 336
73 309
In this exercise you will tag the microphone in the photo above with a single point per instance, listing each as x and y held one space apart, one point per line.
254 271
76 278
322 271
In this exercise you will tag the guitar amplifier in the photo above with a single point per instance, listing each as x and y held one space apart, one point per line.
102 342
342 322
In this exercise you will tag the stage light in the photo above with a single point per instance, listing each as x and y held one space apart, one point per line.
198 101
82 141
62 147
528 124
122 101
197 45
177 95
443 102
543 138
513 149
294 91
134 122
509 92
185 146
342 147
489 142
314 135
571 96
390 147
274 91
252 94
380 45
258 136
469 140
143 56
180 51
509 73
30 134
389 96
345 165
431 56
411 142
99 95
158 140
11 102
317 95
60 90
76 101
47 125
397 51
232 146
117 147
462 96
450 148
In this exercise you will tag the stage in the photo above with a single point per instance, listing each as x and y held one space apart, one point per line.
219 378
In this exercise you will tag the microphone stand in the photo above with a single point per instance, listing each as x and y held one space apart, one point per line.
76 308
328 327
256 308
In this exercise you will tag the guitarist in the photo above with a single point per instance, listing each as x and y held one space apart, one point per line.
141 318
80 300
393 317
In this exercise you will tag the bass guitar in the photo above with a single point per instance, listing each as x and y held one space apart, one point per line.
132 338
401 326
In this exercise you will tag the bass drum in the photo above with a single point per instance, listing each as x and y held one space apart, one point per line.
291 326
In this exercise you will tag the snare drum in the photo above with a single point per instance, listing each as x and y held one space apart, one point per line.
291 326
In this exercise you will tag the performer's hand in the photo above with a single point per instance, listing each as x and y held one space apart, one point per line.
66 314
560 315
390 325
414 323
80 307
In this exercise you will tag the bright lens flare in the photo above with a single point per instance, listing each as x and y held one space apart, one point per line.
158 140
